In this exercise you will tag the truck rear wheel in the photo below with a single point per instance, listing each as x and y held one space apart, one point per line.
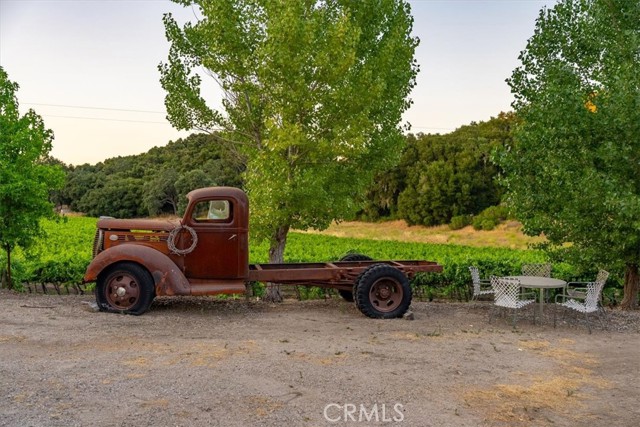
348 295
125 288
383 292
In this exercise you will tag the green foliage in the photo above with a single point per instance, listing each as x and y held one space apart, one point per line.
460 221
61 255
314 93
489 218
152 183
573 170
160 192
120 196
190 181
26 180
442 176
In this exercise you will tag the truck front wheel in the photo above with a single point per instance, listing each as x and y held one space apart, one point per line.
125 288
383 292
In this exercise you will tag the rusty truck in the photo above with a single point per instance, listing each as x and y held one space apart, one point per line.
207 253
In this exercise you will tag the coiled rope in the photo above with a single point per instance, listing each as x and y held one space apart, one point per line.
171 240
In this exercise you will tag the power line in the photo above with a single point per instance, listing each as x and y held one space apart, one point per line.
104 119
95 108
84 107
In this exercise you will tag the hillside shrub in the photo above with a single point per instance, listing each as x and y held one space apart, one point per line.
460 221
489 218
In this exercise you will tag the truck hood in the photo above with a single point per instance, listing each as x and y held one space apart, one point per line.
138 224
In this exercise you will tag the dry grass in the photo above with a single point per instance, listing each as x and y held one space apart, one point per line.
533 400
508 235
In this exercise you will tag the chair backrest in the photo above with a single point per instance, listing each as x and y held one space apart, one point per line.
506 291
602 276
594 289
540 270
475 278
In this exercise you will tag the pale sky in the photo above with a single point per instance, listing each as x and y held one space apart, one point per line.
89 67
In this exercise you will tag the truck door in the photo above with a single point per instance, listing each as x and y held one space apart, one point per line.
222 240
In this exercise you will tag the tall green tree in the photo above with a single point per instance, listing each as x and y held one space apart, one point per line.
160 192
573 172
26 178
189 181
313 93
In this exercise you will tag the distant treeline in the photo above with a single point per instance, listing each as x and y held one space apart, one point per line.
151 183
441 178
438 178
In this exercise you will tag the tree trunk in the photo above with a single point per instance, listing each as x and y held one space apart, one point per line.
276 256
631 280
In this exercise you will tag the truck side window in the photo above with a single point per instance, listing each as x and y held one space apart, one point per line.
212 211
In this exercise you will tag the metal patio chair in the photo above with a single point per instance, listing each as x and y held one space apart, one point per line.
508 295
540 270
586 303
578 289
480 287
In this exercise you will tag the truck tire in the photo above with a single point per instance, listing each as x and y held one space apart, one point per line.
383 292
348 295
125 288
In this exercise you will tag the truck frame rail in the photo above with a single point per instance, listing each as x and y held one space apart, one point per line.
339 274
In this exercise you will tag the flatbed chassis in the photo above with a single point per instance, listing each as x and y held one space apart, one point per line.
339 274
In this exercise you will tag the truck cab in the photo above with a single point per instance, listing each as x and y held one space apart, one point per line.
220 219
206 252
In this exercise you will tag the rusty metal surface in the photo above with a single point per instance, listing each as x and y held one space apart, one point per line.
214 287
223 247
137 224
335 274
168 277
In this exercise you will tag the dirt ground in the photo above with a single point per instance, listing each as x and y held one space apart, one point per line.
202 362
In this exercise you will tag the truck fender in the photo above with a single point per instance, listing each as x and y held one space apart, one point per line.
168 278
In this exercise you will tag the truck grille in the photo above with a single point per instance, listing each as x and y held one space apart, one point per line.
98 240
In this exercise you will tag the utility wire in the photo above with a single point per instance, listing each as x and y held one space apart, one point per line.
147 111
94 108
109 120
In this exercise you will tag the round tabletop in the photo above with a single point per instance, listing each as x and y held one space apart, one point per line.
539 282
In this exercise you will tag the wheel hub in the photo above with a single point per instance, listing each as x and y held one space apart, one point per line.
386 295
123 292
384 292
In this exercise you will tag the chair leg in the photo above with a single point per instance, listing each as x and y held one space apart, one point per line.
604 312
586 316
555 315
602 324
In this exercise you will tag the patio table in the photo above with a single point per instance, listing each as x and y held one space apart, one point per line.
542 283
